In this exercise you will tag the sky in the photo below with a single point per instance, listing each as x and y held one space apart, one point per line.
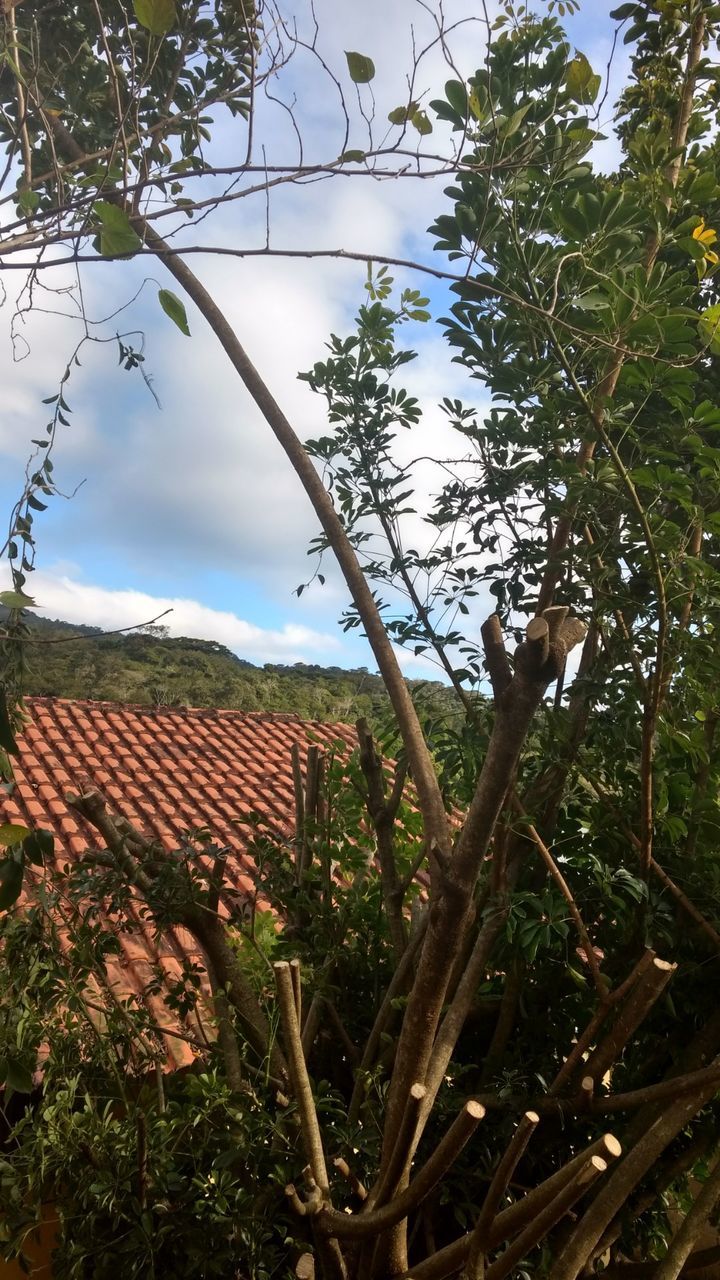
181 500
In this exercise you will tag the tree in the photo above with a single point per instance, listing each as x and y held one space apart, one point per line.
586 497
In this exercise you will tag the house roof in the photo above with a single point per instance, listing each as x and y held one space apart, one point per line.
168 770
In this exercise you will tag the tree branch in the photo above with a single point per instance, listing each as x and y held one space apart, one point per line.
375 1221
475 1266
299 1078
691 1228
447 1261
536 1230
625 1178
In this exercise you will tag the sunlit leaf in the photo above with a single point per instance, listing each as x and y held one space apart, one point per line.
117 237
580 80
12 833
175 309
16 600
709 326
157 16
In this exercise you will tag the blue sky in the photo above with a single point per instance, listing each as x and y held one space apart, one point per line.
191 505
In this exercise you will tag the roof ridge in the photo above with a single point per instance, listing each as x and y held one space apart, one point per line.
143 708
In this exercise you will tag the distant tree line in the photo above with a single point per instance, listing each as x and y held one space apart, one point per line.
163 671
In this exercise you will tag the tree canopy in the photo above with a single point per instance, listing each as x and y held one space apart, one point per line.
484 1042
156 670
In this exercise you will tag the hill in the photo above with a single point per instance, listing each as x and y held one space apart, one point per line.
157 670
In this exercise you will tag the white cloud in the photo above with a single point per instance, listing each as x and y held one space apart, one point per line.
61 596
203 482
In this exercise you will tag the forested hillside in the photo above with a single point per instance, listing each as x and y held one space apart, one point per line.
83 662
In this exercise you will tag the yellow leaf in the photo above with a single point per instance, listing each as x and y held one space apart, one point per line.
704 234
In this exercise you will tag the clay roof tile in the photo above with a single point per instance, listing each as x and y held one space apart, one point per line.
171 770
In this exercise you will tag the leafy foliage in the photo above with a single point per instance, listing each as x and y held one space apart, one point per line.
83 72
572 897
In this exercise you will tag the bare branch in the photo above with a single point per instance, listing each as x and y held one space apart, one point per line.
374 1221
475 1266
299 1078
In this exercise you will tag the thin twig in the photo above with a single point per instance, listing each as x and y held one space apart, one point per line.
599 982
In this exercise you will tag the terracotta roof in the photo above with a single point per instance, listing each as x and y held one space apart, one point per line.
168 770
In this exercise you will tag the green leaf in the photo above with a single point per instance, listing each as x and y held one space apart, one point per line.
694 247
28 200
12 833
11 877
399 115
117 237
157 16
7 737
578 978
709 326
16 600
352 157
513 124
573 222
703 188
633 32
420 122
18 1077
361 68
175 309
580 81
594 300
584 136
457 96
39 846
